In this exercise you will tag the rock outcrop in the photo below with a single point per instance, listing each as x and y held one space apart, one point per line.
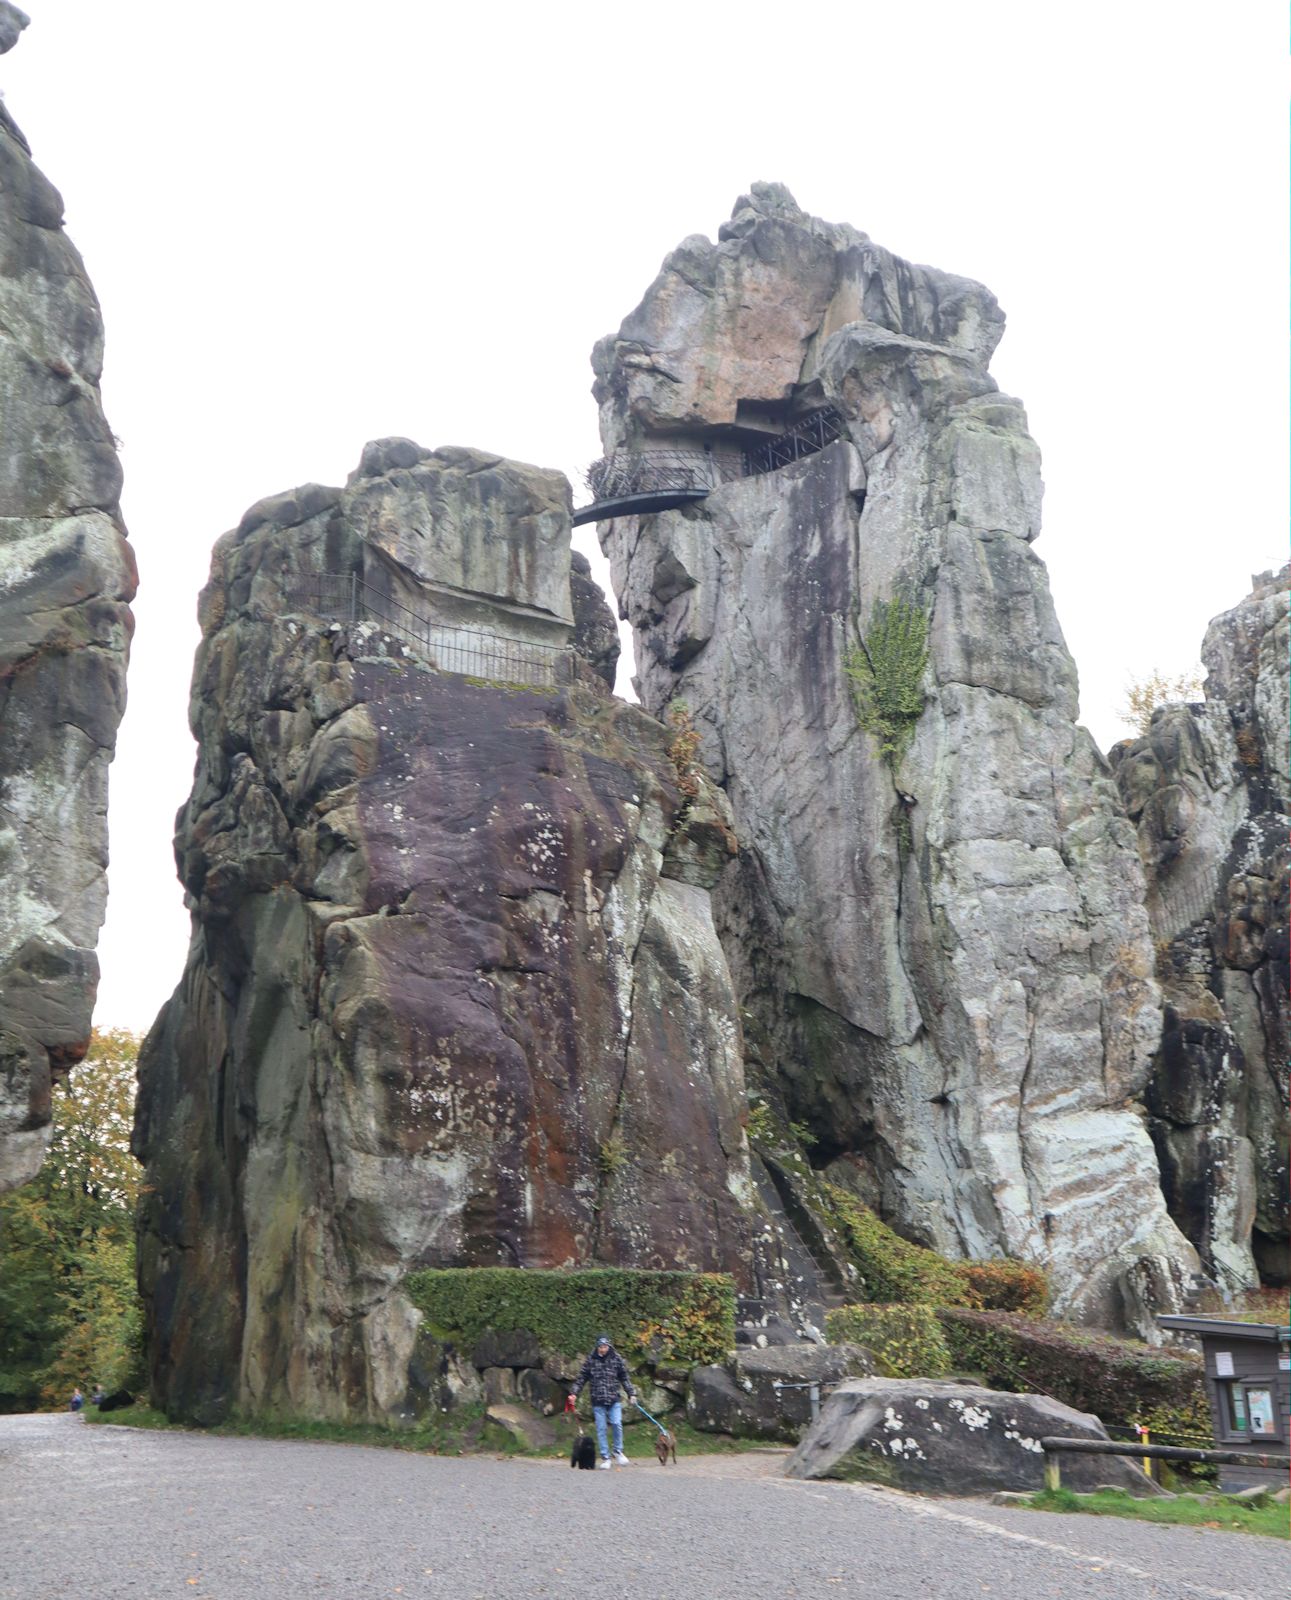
953 1438
938 932
66 579
454 995
1207 787
766 1394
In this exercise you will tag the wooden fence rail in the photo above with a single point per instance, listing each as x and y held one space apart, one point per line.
1053 1448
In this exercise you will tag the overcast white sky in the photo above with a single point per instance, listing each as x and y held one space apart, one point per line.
313 223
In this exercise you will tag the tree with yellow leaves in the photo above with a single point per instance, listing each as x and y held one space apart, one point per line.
1143 696
69 1311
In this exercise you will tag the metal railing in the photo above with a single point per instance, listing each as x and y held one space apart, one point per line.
805 438
628 474
447 646
633 472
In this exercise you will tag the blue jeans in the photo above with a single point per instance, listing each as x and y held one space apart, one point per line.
614 1414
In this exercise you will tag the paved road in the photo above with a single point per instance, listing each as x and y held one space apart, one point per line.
106 1513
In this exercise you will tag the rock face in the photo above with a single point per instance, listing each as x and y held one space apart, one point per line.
454 995
763 1394
1207 788
66 578
952 1438
943 959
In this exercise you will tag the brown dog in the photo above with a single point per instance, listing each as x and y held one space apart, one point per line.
665 1444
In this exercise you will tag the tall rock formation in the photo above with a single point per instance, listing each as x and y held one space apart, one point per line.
66 579
454 995
1207 787
944 959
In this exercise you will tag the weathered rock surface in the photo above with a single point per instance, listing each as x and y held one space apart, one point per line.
759 1394
946 970
952 1438
596 634
12 22
454 995
530 1432
1207 787
66 578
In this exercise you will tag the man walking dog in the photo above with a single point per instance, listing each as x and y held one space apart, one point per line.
605 1371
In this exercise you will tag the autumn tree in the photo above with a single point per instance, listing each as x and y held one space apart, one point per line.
1144 695
69 1311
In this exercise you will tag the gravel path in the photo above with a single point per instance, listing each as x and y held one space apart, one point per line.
113 1513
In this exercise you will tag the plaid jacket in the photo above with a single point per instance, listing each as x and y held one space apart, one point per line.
603 1375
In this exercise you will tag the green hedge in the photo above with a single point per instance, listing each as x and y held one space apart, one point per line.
906 1340
894 1271
1120 1382
681 1317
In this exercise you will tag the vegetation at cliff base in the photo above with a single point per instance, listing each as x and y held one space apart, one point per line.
1124 1383
683 1317
69 1312
894 1271
905 1340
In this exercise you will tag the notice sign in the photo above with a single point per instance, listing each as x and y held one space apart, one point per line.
1260 1404
1223 1363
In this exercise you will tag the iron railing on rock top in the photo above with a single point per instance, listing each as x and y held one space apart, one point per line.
630 481
448 646
805 438
629 472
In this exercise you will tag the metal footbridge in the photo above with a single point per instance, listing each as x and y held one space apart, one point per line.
639 482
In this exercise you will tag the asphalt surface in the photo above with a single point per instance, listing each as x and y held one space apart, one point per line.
109 1512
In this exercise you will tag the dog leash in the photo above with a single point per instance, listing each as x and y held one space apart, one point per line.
646 1414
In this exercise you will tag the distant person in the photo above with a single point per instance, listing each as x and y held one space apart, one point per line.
77 1400
606 1372
98 1396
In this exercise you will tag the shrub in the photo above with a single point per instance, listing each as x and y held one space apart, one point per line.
896 1271
700 1328
684 1317
683 747
1120 1382
907 1341
1007 1286
892 1269
886 673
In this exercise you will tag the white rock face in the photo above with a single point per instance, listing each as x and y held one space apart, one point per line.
66 578
950 963
1206 786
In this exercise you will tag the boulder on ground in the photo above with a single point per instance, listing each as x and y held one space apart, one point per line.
952 1438
540 1391
526 1427
749 1398
499 1384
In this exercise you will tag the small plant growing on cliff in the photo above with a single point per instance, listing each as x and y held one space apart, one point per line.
683 747
612 1156
886 674
1143 696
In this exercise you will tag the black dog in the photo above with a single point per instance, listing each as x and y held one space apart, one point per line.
117 1401
583 1454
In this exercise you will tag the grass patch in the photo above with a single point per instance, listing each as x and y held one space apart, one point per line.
460 1432
134 1417
463 1432
1213 1511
